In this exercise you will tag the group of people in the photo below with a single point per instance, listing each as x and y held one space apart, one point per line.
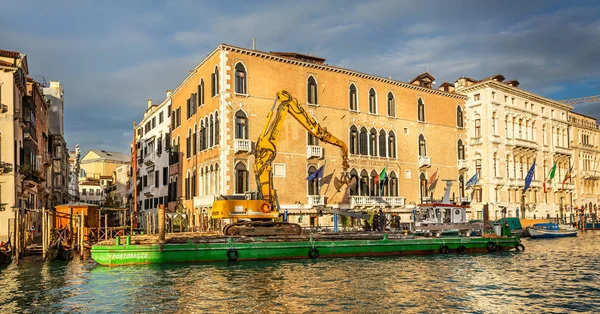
379 222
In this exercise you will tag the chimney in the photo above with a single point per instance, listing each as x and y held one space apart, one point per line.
253 43
149 102
169 93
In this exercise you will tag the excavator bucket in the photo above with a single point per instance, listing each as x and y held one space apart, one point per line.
339 183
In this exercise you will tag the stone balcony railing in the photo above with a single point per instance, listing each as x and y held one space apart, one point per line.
463 164
526 143
563 150
424 161
203 201
376 201
240 145
313 151
314 200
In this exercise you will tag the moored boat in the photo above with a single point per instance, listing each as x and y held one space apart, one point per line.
551 230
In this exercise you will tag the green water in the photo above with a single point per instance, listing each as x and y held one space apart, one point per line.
551 276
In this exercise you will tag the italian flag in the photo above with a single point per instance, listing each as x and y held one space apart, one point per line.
550 175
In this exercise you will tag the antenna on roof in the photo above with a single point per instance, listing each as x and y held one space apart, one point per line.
427 68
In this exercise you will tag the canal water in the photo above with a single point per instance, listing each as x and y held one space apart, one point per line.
551 276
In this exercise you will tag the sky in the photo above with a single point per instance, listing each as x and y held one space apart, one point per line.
111 56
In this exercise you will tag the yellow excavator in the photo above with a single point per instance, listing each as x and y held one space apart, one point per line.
254 213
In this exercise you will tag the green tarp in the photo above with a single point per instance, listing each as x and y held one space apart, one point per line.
513 223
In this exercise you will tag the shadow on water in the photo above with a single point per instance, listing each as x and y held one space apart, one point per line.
550 276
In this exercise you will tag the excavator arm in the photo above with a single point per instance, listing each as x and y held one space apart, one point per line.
266 146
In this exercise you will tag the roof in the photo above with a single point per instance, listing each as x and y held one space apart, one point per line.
112 155
299 56
423 76
10 54
6 64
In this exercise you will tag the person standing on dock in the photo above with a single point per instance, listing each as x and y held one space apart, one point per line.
381 220
376 224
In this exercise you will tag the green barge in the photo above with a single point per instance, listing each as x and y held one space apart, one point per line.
194 248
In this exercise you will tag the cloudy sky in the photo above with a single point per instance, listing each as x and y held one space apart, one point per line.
111 56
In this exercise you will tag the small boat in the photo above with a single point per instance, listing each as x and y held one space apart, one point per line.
551 230
5 253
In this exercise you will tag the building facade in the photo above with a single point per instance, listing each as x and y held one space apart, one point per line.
97 163
585 141
220 109
508 129
152 145
54 95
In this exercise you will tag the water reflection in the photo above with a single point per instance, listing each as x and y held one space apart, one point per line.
551 276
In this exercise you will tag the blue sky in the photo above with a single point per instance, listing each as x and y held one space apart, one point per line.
111 56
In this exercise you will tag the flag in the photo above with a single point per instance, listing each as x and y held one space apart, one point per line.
473 180
376 178
529 177
552 172
382 177
317 174
327 179
433 180
567 176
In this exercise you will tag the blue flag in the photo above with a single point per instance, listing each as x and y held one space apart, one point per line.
529 177
473 180
317 174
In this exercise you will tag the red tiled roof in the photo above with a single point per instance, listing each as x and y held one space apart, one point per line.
10 54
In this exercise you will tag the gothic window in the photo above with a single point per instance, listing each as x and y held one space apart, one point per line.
188 144
461 150
312 90
216 128
201 136
461 186
241 125
352 98
201 93
313 185
392 144
354 189
382 144
421 110
240 79
363 142
372 101
422 146
205 135
374 186
215 82
211 135
391 105
364 183
241 178
459 117
373 142
423 185
354 140
194 139
392 185
311 140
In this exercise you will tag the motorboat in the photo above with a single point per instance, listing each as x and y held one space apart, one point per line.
551 230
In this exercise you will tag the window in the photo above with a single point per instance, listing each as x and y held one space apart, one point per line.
423 185
363 141
494 118
374 186
461 186
478 167
373 142
391 104
215 82
478 128
211 134
354 140
241 178
505 99
422 146
313 185
161 117
392 185
372 101
364 183
352 98
459 117
311 90
382 144
201 92
241 125
240 79
165 175
195 141
278 170
354 189
495 164
156 178
493 95
392 144
461 150
83 192
216 128
421 110
476 97
512 100
508 166
311 140
188 148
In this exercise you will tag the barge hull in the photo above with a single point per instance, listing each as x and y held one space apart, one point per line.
118 255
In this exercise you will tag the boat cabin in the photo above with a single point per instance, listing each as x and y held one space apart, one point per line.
546 226
442 213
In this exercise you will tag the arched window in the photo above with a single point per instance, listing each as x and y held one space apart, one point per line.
354 140
188 142
364 183
215 82
352 98
241 125
311 140
421 109
477 127
372 101
391 105
194 140
354 189
423 185
193 182
313 185
240 79
363 141
205 134
392 144
201 135
211 134
312 90
495 164
374 186
422 146
373 142
459 117
201 92
508 166
494 122
241 178
382 144
461 186
392 185
461 150
216 128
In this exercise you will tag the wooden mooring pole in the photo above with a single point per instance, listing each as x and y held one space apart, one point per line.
44 233
81 234
161 224
71 227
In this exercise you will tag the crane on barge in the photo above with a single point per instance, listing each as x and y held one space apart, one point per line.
255 212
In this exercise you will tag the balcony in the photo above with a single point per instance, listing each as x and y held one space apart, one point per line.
393 201
203 201
464 199
150 161
512 182
314 151
476 140
563 150
424 161
463 164
314 200
526 143
240 145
